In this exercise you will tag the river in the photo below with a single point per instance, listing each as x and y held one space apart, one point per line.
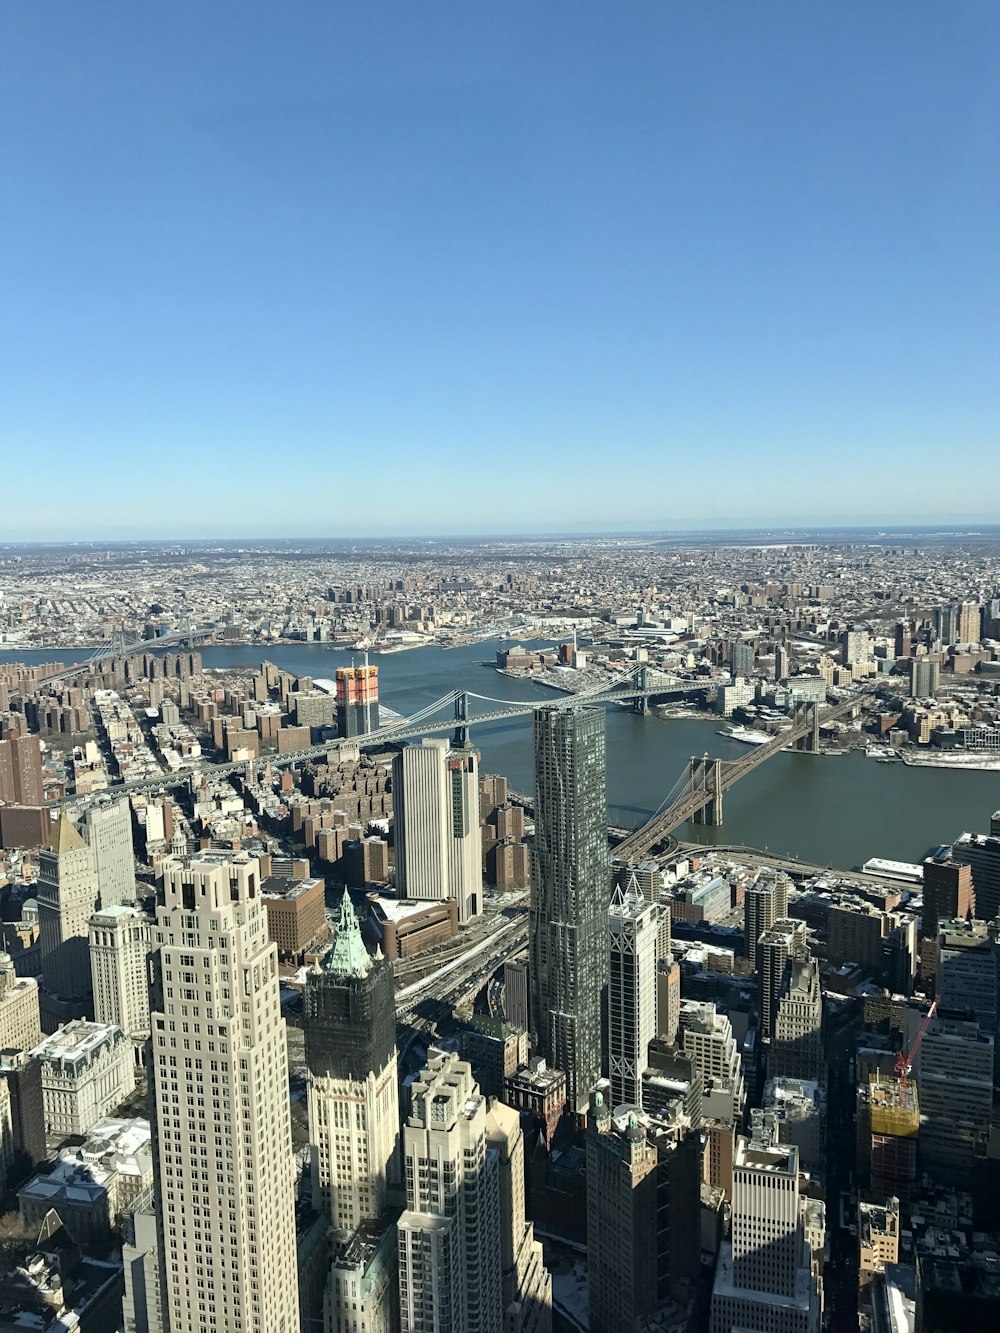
835 810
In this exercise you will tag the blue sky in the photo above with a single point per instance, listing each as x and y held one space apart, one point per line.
430 267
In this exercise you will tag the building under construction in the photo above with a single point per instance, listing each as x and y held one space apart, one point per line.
357 700
888 1124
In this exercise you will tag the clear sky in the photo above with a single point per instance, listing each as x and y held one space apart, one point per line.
360 267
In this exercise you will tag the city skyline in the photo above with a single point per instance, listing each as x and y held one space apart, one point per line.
682 265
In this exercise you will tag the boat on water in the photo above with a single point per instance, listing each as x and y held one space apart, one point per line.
746 735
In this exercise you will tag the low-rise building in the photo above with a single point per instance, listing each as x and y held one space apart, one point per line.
87 1071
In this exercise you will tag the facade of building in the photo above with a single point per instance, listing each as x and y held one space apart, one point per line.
107 827
67 894
20 1021
357 700
707 1036
786 939
495 1050
954 1072
764 902
120 941
435 792
764 1281
797 1044
352 1092
569 894
87 1072
526 1282
450 1274
632 991
225 1174
296 915
981 853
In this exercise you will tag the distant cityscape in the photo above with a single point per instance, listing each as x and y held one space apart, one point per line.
312 1018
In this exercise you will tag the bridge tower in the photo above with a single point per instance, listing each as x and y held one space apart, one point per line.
705 774
461 721
807 712
640 704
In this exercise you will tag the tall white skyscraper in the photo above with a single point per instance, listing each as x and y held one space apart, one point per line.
107 826
67 895
225 1176
120 941
435 794
632 930
449 1235
764 1279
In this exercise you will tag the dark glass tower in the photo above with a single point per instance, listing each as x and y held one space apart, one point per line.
569 894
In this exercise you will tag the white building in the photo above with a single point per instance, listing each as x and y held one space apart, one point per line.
20 1023
107 826
764 1281
632 929
735 695
435 793
219 1076
798 1105
707 1036
120 940
87 1072
526 1282
449 1235
91 1186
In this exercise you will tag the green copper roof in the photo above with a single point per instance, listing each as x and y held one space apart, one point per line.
348 957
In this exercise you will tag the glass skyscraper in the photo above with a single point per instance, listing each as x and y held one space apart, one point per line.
570 890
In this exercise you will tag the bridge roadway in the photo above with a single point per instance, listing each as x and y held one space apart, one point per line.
420 724
695 798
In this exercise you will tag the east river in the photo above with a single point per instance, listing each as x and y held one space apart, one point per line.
835 810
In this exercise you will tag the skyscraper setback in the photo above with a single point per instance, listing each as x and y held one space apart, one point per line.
569 894
224 1174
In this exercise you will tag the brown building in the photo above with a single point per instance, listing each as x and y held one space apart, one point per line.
366 861
407 935
856 933
21 770
948 894
495 1050
539 1092
291 739
24 825
296 916
717 1162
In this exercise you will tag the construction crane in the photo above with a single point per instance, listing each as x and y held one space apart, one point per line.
904 1061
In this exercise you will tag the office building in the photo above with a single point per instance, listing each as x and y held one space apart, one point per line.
87 1072
362 1286
569 894
21 1073
632 983
449 1235
435 792
107 827
981 853
352 1092
120 941
954 1073
764 902
145 1300
799 1109
888 1126
707 1036
878 1238
67 895
668 998
225 1175
967 957
20 1021
797 1043
526 1285
764 1280
538 1092
494 1049
516 1002
357 700
785 940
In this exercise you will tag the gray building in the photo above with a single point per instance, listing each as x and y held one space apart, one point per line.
569 894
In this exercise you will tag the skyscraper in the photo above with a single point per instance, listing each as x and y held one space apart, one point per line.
357 700
120 941
353 1099
224 1173
764 902
797 1043
763 1280
526 1282
21 770
67 895
632 982
435 793
449 1235
107 826
569 894
786 939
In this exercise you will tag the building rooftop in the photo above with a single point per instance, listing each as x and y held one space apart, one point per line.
78 1042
